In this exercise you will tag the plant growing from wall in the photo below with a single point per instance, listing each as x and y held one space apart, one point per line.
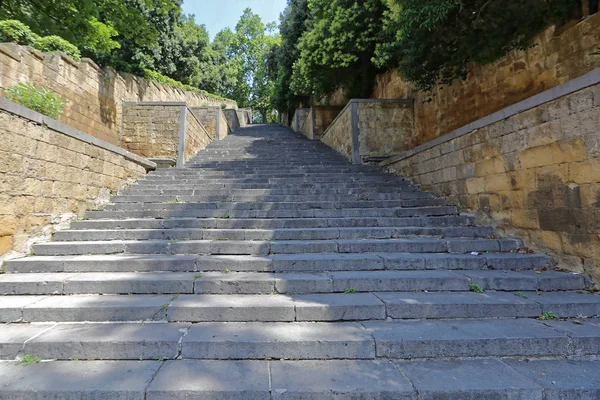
37 98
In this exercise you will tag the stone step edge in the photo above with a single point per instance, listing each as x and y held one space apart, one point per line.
407 339
66 283
279 380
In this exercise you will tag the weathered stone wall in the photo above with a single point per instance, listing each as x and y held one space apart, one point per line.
299 118
558 56
307 126
384 127
51 173
224 128
151 130
208 117
339 134
93 95
324 116
536 174
232 119
196 137
242 117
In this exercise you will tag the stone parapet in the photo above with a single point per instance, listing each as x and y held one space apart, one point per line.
51 173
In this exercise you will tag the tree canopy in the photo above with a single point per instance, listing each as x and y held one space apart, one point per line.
329 45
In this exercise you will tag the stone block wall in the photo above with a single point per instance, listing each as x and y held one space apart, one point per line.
212 119
535 174
93 95
196 137
299 118
232 119
51 173
384 127
318 120
560 54
151 130
339 134
307 126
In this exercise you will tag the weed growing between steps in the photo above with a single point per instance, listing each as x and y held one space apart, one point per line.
475 288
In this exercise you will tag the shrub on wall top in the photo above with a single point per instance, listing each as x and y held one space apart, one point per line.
12 30
56 43
37 98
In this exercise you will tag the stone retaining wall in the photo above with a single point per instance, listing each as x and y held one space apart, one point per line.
559 55
232 119
299 118
339 134
93 95
213 120
536 174
151 130
196 137
51 173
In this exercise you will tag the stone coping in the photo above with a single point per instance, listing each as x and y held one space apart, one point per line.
24 112
574 85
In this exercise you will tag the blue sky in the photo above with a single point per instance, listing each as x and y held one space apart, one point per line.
219 14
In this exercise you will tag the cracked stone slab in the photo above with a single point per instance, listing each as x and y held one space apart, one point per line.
467 338
457 305
562 379
11 307
584 334
78 308
215 380
75 380
567 304
342 379
295 340
12 337
26 284
232 308
338 307
469 380
114 341
130 282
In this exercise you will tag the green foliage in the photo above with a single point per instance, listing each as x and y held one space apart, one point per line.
28 359
293 23
433 42
350 290
473 287
15 31
336 50
37 98
56 43
250 67
548 315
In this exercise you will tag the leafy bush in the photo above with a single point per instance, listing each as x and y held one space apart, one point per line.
165 80
12 30
37 98
56 43
434 41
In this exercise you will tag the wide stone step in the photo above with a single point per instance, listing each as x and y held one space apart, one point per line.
256 247
277 263
305 307
269 234
280 380
283 283
279 223
310 213
307 205
282 188
302 341
159 197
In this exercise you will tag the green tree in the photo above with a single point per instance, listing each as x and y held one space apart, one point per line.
293 23
337 47
434 41
249 50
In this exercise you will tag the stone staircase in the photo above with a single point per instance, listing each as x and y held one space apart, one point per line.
271 268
